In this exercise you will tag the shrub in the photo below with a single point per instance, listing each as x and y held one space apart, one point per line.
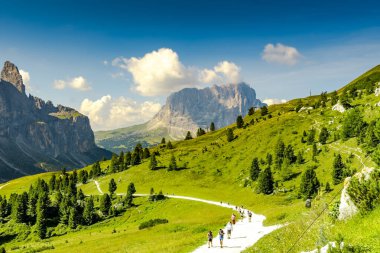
152 223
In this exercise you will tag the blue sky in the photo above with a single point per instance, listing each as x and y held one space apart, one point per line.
116 61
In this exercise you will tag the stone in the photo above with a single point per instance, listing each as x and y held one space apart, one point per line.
308 203
339 107
191 108
11 74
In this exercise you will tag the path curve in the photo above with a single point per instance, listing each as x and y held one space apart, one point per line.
244 233
98 186
1 187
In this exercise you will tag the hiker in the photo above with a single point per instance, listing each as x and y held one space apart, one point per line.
242 215
229 229
249 216
221 237
233 218
209 238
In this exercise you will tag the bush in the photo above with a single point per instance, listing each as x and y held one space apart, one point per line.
152 223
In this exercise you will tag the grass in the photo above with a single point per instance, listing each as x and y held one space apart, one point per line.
219 170
184 232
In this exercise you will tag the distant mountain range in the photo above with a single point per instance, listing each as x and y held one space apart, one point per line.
36 136
185 110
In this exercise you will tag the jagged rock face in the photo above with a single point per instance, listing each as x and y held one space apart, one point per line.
189 109
10 74
36 136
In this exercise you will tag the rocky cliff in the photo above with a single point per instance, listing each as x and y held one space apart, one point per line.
189 109
36 136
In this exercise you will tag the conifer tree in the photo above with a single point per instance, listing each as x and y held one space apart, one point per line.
200 132
251 111
41 223
230 135
188 136
265 181
324 135
212 127
129 197
169 145
127 160
88 213
334 97
311 136
279 153
269 159
80 195
255 169
52 183
105 203
239 121
112 186
146 153
352 124
163 141
264 111
309 184
153 162
338 169
73 220
300 159
172 164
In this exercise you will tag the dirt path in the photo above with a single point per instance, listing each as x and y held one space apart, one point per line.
244 233
98 186
1 187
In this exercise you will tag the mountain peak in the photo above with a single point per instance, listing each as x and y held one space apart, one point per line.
11 75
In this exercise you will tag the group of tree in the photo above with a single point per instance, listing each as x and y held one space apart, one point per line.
58 202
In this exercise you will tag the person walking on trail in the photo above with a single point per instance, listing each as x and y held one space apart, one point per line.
233 218
242 214
249 216
229 229
221 237
209 238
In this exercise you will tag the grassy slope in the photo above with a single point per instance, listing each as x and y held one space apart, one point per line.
184 232
218 170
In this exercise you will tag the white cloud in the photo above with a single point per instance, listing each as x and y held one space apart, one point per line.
26 79
77 83
281 54
108 113
273 101
161 72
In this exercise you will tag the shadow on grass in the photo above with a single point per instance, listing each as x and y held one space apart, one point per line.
6 238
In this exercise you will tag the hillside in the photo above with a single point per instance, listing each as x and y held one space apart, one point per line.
211 167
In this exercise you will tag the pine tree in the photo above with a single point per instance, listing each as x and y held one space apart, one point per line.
264 111
311 136
352 124
309 184
338 169
153 162
19 209
127 160
212 127
129 197
52 182
172 164
112 186
200 132
345 101
41 224
88 213
269 159
315 151
230 135
114 163
105 203
324 135
135 158
251 111
2 250
169 145
328 187
300 159
188 136
163 141
146 153
334 98
265 181
80 195
279 153
73 220
255 169
239 121
289 154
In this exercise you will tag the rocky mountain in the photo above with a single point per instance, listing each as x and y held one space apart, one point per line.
185 110
36 136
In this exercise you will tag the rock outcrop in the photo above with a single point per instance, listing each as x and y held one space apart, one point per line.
36 136
191 108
